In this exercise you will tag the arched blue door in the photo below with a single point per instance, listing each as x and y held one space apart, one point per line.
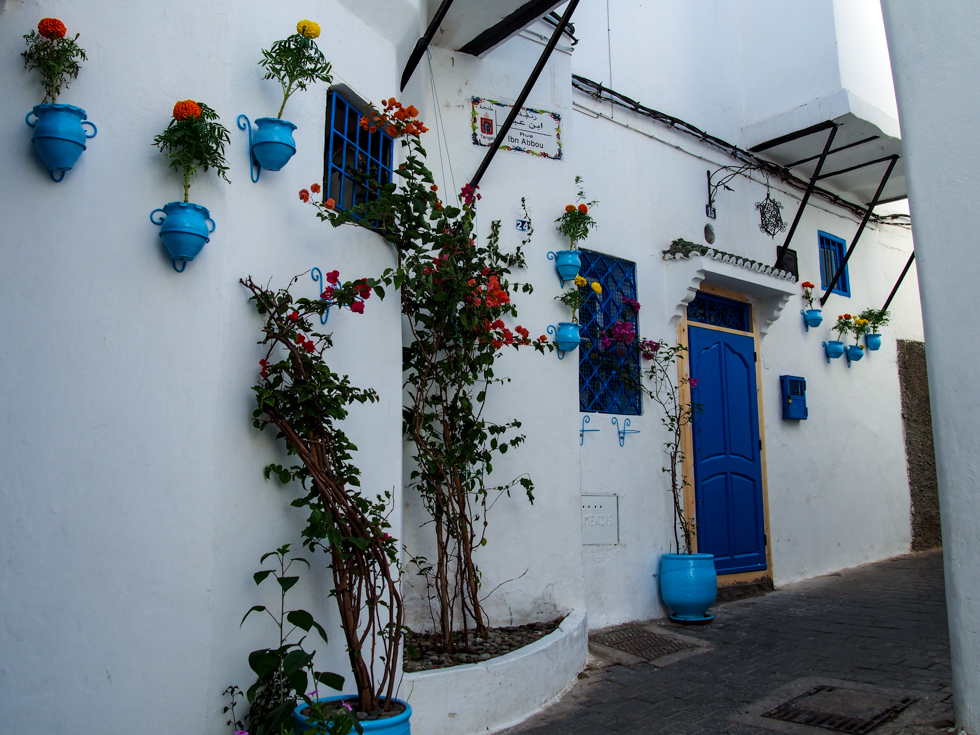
727 457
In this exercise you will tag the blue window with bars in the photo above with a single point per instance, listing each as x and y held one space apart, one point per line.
719 312
602 387
352 153
831 254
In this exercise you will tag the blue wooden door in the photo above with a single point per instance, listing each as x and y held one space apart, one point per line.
727 461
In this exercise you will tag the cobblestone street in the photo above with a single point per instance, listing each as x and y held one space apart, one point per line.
879 629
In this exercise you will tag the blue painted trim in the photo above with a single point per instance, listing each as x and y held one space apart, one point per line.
376 150
836 247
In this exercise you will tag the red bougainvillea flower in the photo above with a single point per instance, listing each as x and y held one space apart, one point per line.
333 277
434 187
357 307
542 338
329 204
327 293
304 195
187 109
499 324
309 346
51 28
497 344
300 339
315 188
583 209
293 316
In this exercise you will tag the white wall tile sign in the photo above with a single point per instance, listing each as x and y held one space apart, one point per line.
600 519
537 132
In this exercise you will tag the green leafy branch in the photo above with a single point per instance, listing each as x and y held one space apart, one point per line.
194 144
295 62
57 59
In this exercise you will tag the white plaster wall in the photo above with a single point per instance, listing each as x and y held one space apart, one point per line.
862 52
935 58
531 565
134 508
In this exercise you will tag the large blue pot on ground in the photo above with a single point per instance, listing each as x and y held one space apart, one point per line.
873 341
688 586
397 725
812 318
184 229
567 263
272 145
59 137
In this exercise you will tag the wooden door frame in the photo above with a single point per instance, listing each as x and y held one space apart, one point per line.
687 433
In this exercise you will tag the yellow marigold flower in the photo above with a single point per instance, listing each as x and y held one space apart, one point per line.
579 281
308 28
596 287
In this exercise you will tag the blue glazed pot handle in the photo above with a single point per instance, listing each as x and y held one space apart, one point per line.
213 225
95 130
28 119
161 219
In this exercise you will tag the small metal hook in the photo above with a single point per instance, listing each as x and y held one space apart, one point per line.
254 168
623 431
317 276
583 431
552 329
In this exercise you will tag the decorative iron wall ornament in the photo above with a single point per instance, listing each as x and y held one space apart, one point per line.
771 220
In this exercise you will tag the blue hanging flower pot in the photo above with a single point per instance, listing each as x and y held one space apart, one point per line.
688 586
812 318
184 229
854 353
271 146
834 349
567 263
397 725
567 337
59 137
873 341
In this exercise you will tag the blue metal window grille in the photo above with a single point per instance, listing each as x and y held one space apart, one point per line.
719 312
350 150
601 385
831 254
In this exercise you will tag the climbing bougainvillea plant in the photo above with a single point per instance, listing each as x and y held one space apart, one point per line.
306 401
456 299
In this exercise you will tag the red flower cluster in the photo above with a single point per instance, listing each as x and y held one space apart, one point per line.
363 289
306 344
304 195
51 28
396 120
469 194
186 109
265 368
501 335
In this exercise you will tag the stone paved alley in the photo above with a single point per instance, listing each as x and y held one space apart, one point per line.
877 633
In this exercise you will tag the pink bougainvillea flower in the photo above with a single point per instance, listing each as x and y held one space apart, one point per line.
333 277
327 293
694 382
357 307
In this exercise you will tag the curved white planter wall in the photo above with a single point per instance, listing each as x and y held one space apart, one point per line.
501 692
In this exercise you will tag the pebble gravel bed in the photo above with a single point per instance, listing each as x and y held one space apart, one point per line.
423 651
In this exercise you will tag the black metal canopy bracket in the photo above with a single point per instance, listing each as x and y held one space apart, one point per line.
899 282
867 215
522 97
423 43
832 127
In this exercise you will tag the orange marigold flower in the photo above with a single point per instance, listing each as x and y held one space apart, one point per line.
315 188
304 195
583 209
329 204
847 316
186 109
570 208
51 28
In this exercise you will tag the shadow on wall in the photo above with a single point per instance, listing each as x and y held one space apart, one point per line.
919 451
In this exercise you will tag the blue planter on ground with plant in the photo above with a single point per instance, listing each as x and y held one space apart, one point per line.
59 137
185 229
398 725
688 586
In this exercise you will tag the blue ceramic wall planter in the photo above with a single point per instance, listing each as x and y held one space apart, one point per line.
567 263
873 341
59 137
688 586
566 336
185 229
834 349
271 146
854 353
397 725
811 318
